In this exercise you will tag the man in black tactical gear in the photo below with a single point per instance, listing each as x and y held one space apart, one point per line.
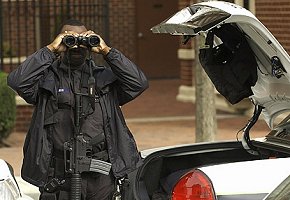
49 79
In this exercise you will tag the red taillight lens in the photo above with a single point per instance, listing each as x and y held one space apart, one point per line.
194 185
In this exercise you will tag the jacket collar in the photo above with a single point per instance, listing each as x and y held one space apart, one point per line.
103 76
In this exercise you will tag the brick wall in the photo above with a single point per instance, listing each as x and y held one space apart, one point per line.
23 118
122 18
275 15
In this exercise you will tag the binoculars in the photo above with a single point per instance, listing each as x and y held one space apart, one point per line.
90 41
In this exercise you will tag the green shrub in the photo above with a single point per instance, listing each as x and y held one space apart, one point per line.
7 108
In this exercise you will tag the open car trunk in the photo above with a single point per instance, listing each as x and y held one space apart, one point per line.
163 168
155 178
243 60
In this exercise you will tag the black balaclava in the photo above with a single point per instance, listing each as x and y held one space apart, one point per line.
75 57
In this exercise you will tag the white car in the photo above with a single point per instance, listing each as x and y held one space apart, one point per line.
243 60
9 188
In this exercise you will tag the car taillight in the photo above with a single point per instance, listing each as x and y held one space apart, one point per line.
194 185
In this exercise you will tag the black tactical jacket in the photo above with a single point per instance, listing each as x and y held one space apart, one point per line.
35 81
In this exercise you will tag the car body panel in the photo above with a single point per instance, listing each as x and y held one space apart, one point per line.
270 90
8 185
228 178
234 173
160 163
9 188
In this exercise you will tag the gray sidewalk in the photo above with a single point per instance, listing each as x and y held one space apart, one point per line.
156 119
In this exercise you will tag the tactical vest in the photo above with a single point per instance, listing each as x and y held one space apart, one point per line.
91 121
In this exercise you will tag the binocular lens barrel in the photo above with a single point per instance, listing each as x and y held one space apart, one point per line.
91 41
69 40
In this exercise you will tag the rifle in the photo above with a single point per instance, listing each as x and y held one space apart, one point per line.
78 150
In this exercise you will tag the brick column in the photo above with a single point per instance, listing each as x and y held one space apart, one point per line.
186 55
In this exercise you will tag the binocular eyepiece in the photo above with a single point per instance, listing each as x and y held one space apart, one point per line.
90 41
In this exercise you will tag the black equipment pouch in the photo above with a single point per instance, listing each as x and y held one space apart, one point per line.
231 66
125 188
121 189
55 176
53 185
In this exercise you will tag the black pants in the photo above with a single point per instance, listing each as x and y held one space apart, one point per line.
95 186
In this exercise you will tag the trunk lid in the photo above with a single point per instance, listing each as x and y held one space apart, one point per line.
270 87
